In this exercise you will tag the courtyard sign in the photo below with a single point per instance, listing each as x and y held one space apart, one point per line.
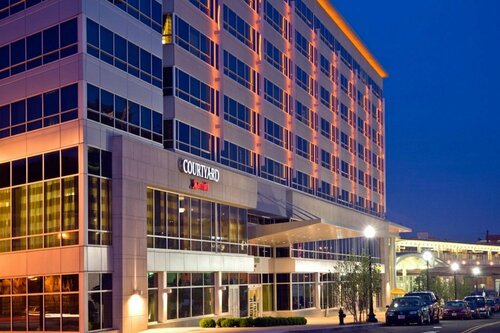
199 170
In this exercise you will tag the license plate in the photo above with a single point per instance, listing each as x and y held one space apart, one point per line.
454 314
401 316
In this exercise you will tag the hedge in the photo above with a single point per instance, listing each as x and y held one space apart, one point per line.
253 322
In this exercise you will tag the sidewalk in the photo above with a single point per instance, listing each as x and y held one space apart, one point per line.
314 324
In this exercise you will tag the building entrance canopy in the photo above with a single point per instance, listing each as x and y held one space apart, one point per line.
298 232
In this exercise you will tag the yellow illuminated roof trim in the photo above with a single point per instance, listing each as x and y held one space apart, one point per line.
351 35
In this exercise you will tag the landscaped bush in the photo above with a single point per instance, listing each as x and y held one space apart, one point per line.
230 322
207 322
219 321
246 322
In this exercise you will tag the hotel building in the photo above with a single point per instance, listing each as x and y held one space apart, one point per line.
161 162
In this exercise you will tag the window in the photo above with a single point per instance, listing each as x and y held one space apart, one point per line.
344 140
146 11
326 128
238 157
306 149
241 72
100 301
276 20
140 63
304 13
240 29
326 159
240 115
277 96
277 58
208 7
195 42
304 47
344 169
39 303
303 182
41 211
195 141
305 81
196 92
193 294
99 196
274 171
118 112
303 293
59 42
305 115
276 134
328 100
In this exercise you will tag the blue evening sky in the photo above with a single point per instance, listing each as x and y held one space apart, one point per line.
442 110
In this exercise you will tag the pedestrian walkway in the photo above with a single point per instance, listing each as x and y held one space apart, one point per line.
314 324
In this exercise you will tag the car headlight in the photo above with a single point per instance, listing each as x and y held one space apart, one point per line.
413 312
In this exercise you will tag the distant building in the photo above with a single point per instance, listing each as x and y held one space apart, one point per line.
410 262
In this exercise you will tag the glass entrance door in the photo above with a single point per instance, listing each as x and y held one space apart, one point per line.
254 301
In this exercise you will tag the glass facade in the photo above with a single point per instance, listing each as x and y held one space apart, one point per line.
39 201
50 108
184 223
40 303
190 294
100 301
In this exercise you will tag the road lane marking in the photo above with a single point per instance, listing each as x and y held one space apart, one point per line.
477 328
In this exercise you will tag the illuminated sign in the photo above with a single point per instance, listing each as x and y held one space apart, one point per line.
197 185
199 170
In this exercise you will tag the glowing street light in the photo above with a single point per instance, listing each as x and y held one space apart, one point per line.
427 255
455 267
369 233
476 271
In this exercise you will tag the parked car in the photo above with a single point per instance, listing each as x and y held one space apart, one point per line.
457 310
478 306
491 305
432 301
407 310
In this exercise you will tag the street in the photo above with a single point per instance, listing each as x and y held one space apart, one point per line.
449 326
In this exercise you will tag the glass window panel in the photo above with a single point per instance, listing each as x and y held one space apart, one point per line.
152 305
107 103
184 302
70 282
52 312
4 116
106 205
94 161
52 206
19 286
172 304
106 164
70 204
197 304
94 310
69 161
51 39
69 97
70 312
17 52
5 221
35 285
35 209
134 116
19 211
145 118
52 283
106 41
35 168
4 56
92 97
51 103
69 33
34 108
19 313
133 55
18 112
120 108
172 217
5 313
51 165
93 203
92 33
107 310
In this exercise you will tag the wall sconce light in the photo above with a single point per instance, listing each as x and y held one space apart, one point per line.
138 292
223 288
168 291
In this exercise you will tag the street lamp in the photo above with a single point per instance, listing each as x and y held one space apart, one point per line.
454 268
476 271
427 255
369 234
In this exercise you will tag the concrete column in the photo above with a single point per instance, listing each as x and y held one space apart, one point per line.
162 297
318 287
218 293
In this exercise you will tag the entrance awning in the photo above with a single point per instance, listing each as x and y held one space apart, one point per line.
297 232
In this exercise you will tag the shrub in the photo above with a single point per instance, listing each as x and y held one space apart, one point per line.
246 322
278 321
219 321
230 322
207 322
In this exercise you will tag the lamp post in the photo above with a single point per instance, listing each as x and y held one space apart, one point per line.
369 234
476 271
427 255
454 268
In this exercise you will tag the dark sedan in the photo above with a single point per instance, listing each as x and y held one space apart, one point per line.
457 310
478 306
407 310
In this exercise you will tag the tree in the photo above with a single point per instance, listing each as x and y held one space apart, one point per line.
352 283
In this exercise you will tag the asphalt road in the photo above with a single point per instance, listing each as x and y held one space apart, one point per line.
491 325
